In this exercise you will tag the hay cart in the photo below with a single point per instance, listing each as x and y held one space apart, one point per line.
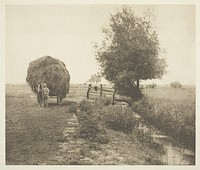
52 72
59 96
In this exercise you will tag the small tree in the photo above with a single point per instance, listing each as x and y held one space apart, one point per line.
95 78
130 52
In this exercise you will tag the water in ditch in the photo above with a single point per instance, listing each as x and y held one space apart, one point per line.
176 154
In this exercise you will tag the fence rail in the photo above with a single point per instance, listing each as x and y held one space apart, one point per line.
100 91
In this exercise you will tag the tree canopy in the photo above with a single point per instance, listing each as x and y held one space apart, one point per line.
95 78
130 50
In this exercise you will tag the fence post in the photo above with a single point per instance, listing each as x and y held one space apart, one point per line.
101 90
113 99
88 91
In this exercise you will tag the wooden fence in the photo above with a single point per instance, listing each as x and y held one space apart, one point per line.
94 92
98 91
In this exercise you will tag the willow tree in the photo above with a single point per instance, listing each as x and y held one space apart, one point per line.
130 51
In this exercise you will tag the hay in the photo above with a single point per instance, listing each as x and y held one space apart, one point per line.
51 71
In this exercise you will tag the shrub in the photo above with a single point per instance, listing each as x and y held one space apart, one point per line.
142 137
89 127
82 116
131 91
119 119
176 84
85 106
147 141
73 108
125 99
102 138
142 106
102 101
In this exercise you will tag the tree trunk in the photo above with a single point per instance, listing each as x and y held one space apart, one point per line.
138 83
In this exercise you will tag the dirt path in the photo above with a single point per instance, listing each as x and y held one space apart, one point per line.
74 150
69 146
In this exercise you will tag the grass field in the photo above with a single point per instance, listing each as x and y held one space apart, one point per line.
34 135
185 94
31 131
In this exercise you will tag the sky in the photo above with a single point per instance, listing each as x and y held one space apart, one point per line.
68 32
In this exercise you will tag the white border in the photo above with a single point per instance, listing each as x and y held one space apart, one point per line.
3 3
146 2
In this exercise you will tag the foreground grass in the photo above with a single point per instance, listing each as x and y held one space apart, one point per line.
32 132
121 150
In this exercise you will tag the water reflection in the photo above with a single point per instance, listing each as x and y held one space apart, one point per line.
176 154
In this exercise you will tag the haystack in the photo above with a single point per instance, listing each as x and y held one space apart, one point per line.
51 71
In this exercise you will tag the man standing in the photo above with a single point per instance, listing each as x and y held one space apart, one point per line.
45 95
39 89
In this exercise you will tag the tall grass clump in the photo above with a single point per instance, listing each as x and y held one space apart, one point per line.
103 101
119 118
73 108
51 71
146 141
175 118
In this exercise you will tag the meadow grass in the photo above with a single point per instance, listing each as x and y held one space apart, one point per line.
32 132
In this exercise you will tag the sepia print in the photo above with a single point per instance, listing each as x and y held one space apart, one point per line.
100 84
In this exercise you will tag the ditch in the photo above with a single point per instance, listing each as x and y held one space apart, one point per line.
176 153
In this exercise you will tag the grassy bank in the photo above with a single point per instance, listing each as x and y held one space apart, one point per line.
172 111
99 121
